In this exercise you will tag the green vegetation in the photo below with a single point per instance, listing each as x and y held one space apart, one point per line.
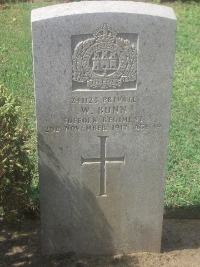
183 177
16 165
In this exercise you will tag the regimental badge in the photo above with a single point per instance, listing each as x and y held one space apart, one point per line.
105 61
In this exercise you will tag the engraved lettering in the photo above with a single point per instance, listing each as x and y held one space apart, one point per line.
94 119
75 128
83 120
88 127
103 124
90 100
141 127
122 119
121 99
84 100
85 110
119 127
73 100
52 129
157 126
109 110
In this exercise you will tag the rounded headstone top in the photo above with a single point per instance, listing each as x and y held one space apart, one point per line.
89 7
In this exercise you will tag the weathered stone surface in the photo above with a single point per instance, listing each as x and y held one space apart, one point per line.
103 78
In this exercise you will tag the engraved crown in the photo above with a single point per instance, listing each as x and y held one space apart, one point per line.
105 34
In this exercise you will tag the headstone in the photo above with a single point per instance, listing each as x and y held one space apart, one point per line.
103 77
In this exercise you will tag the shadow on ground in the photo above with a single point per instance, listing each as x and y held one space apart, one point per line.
21 247
180 234
183 212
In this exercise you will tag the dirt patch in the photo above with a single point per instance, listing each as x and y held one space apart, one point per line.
180 247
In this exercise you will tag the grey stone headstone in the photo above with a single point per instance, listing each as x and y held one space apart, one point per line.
103 78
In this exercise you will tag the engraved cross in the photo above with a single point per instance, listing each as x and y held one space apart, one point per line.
103 160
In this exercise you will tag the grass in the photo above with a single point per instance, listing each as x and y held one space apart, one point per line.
183 177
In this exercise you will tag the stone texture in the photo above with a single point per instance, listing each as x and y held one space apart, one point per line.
103 77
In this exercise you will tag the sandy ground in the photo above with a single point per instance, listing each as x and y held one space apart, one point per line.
180 248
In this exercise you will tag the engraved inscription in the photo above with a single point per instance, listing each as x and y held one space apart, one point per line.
104 113
105 61
104 99
103 160
112 110
54 129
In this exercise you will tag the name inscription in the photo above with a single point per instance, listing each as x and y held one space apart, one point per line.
103 114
